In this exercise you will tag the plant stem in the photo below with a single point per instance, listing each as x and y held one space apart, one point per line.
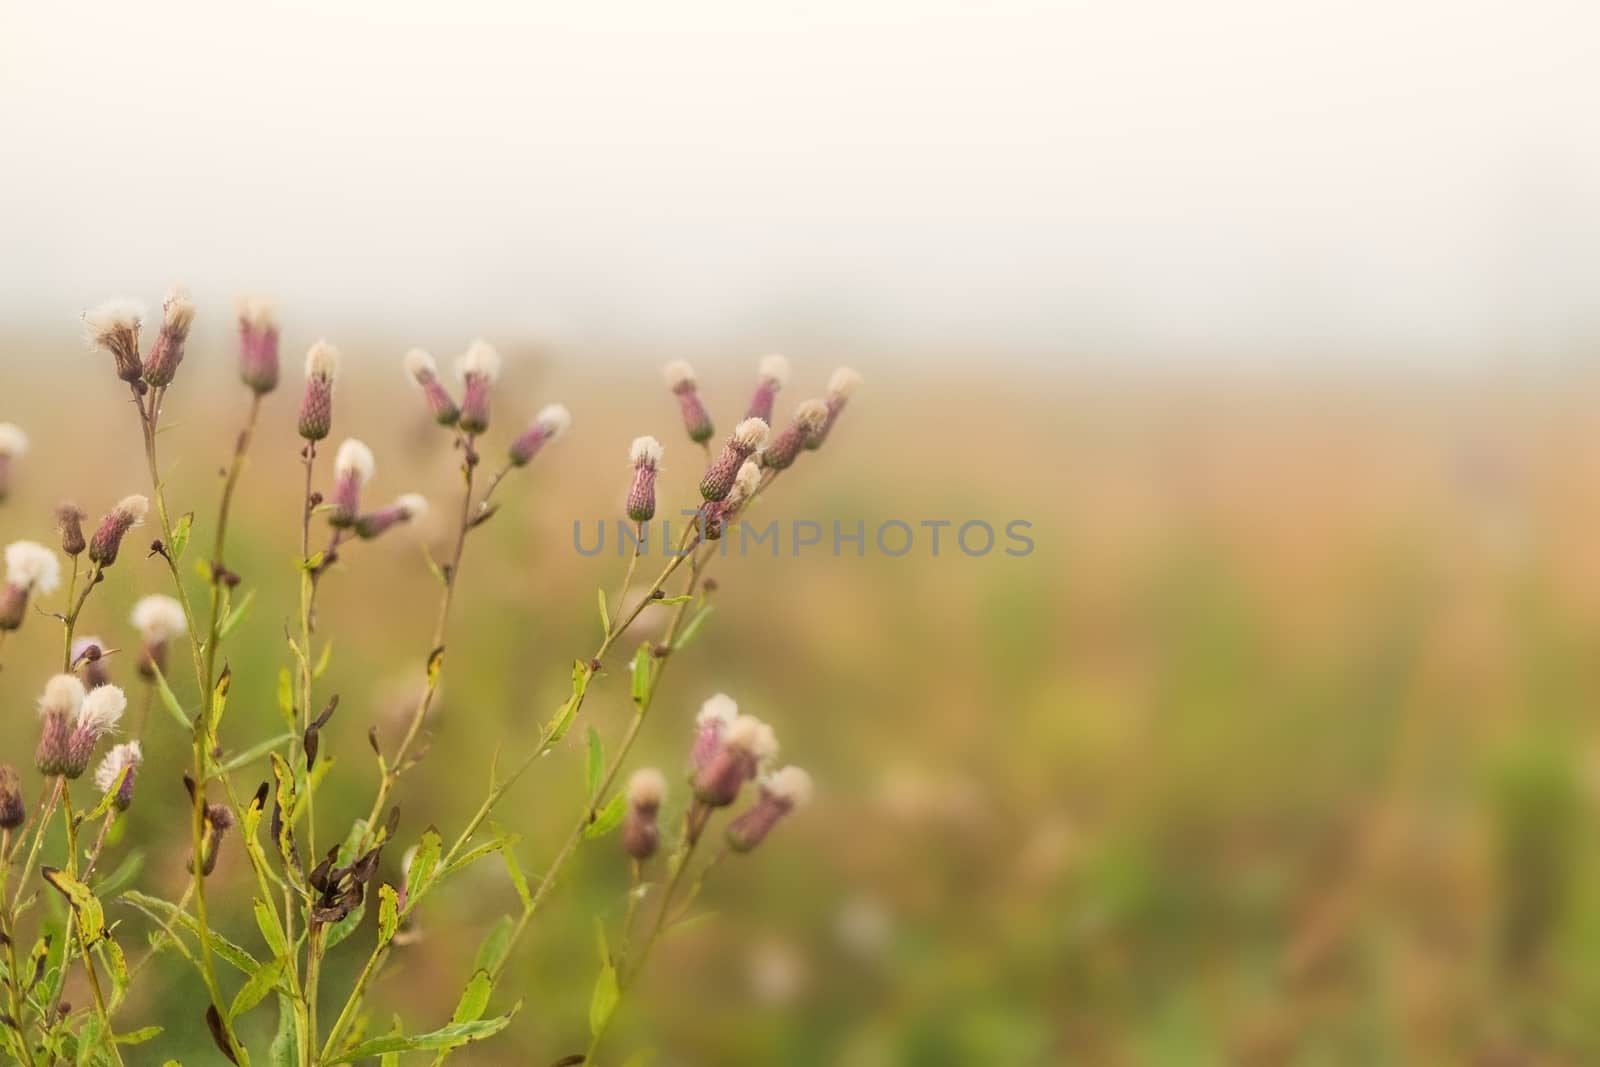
219 544
107 1034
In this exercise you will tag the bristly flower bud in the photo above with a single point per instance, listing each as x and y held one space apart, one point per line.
69 521
641 833
681 380
177 315
30 568
13 445
114 326
809 418
840 388
129 512
748 744
89 652
98 716
13 809
352 469
551 422
58 709
258 344
773 376
158 619
316 406
716 715
746 439
479 369
780 793
408 508
714 515
218 821
645 454
422 369
123 757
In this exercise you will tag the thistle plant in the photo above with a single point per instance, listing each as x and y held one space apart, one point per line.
322 880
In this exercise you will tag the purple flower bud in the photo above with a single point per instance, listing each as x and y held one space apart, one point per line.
124 757
421 368
99 714
30 567
840 387
808 420
107 540
479 369
88 654
13 809
58 711
69 521
716 715
316 406
774 375
645 455
746 438
114 327
218 820
177 315
748 744
352 468
784 791
641 832
551 422
258 344
681 380
408 508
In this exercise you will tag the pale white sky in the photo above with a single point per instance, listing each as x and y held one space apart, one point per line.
1197 179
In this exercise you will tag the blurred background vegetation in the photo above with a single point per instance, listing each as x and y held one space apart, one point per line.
1277 749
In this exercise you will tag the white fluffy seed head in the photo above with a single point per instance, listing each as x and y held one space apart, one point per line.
792 785
645 452
775 368
647 788
750 434
811 415
480 360
843 382
749 734
257 312
159 618
555 418
177 310
102 709
32 567
134 507
112 318
127 754
354 458
720 709
415 505
420 365
13 442
678 374
744 483
322 361
63 695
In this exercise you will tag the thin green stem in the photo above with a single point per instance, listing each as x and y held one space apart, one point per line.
107 1033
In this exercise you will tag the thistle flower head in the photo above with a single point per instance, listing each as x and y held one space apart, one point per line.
480 360
102 710
13 809
177 315
114 327
644 452
749 435
354 460
107 540
779 794
159 618
31 567
13 442
747 743
647 787
322 361
641 832
744 483
789 785
681 380
414 505
679 375
554 418
645 455
409 507
69 522
773 376
550 423
124 757
750 735
841 386
89 652
63 695
420 365
811 414
316 404
843 383
809 418
775 368
257 313
746 438
719 711
422 369
258 344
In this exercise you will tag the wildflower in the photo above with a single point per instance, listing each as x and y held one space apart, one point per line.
177 315
129 512
840 388
352 469
809 418
716 715
479 369
773 376
551 422
421 368
99 714
645 455
13 444
90 651
158 619
217 821
69 521
408 508
114 326
714 515
681 380
748 744
258 344
316 406
778 794
58 708
640 833
30 568
746 438
123 757
13 809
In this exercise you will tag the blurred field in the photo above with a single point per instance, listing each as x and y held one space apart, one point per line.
1279 748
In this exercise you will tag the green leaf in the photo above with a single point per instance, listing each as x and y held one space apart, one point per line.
518 880
116 966
271 928
255 990
169 701
433 566
287 805
323 660
643 676
388 913
180 535
495 946
164 912
423 863
219 697
448 1037
253 753
283 1050
474 999
595 766
286 700
605 614
608 818
91 917
236 616
139 1036
604 1000
693 628
559 723
682 598
498 843
312 562
107 798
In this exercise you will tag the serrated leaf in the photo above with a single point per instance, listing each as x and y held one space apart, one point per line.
388 913
495 946
235 616
448 1037
255 990
474 999
608 818
91 917
604 999
594 766
423 863
164 912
